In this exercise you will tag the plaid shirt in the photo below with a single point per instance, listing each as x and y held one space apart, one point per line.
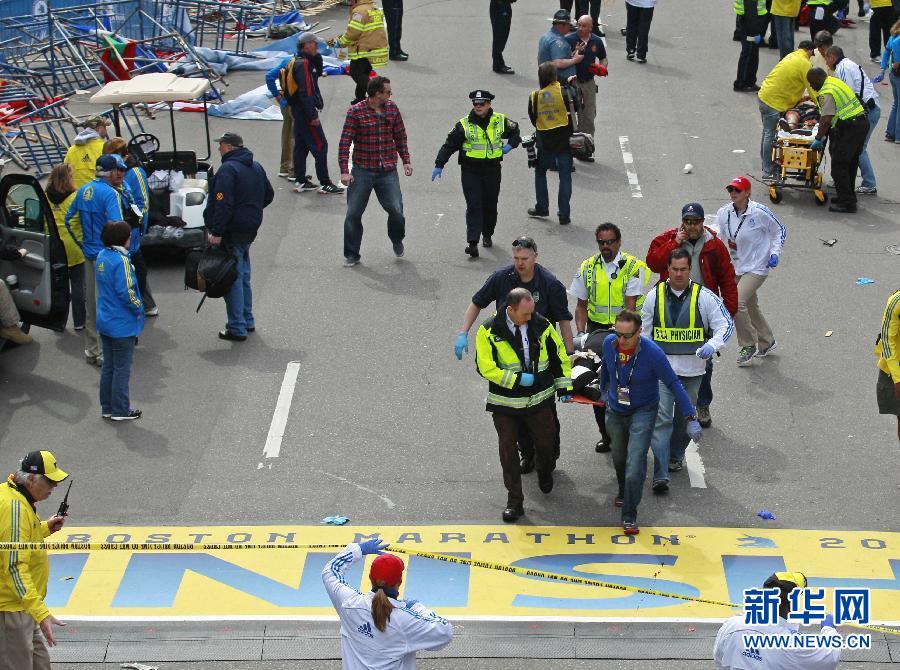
376 138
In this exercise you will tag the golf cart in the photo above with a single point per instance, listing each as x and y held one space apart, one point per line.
177 180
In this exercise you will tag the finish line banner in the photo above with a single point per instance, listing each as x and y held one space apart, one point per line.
716 564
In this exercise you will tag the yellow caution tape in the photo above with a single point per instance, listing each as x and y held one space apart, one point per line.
488 565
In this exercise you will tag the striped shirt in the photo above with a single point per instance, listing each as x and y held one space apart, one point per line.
888 347
376 137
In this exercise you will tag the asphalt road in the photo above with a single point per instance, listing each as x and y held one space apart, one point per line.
386 425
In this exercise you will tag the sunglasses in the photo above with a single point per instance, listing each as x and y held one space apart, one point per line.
692 222
608 243
626 336
478 104
732 189
524 243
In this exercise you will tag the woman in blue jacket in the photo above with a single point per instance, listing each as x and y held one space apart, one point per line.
120 319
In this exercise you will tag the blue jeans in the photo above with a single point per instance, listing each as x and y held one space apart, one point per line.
629 440
114 375
76 282
705 394
387 190
783 28
893 123
865 164
239 299
670 425
563 162
770 117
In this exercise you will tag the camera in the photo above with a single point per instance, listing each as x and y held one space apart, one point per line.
529 143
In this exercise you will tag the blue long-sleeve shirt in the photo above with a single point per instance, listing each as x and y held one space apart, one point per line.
96 204
272 77
891 52
650 367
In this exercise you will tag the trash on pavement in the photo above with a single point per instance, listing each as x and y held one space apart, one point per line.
139 666
828 243
765 514
335 520
828 334
688 168
862 281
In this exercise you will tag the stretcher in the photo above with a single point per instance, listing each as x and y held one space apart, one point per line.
798 167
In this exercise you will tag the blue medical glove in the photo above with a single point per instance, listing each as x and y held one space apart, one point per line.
461 345
817 145
506 149
706 352
878 78
283 102
694 430
565 398
526 379
410 602
828 621
757 38
841 14
373 546
773 261
436 173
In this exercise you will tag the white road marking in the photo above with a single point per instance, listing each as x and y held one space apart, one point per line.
628 159
282 409
695 467
387 501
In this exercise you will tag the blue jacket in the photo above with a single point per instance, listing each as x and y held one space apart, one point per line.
120 311
553 46
238 193
96 203
650 368
136 182
891 52
272 77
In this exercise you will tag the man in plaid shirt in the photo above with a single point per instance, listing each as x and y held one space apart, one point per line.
375 128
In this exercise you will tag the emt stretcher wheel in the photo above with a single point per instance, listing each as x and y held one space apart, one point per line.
821 197
774 194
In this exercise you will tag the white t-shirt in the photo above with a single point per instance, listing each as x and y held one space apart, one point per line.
523 338
363 646
756 234
729 652
850 73
634 286
715 317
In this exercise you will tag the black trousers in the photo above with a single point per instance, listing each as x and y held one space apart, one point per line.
637 29
359 73
481 188
501 20
748 64
600 412
393 17
526 441
540 426
590 7
845 144
140 269
566 4
879 29
815 25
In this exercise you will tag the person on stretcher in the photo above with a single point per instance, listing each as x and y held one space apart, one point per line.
800 120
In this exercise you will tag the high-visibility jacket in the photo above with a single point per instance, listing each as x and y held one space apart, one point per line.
481 143
499 357
887 348
23 574
875 4
813 3
760 7
550 107
365 36
848 105
684 333
606 298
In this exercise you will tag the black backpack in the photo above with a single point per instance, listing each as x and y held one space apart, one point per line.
212 271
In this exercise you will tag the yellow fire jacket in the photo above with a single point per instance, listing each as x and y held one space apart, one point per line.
365 36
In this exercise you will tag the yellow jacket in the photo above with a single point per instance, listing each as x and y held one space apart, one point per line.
875 4
888 347
23 574
787 8
784 85
83 159
74 255
365 36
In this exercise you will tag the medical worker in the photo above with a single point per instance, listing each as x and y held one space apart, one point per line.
379 631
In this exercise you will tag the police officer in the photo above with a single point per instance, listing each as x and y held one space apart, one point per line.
501 20
479 139
844 120
393 17
604 285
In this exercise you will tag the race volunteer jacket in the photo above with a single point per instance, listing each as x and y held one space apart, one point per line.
729 652
365 36
606 285
96 204
681 323
136 182
83 155
751 238
120 311
501 359
363 646
887 348
23 584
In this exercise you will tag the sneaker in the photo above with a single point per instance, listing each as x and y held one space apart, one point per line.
154 311
331 189
889 138
535 213
77 328
286 175
231 337
630 527
703 417
398 249
641 59
868 190
768 350
746 354
94 360
105 415
131 416
472 249
305 186
619 501
349 262
875 59
675 465
487 241
660 486
630 55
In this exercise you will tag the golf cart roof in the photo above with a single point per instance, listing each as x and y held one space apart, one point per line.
157 87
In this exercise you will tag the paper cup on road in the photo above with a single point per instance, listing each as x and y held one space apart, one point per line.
688 168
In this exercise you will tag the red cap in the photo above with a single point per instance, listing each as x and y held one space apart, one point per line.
740 183
387 569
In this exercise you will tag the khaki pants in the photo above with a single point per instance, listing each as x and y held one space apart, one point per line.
9 315
752 328
588 90
22 643
287 141
92 347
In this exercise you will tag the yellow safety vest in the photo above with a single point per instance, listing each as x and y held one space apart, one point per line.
607 298
760 7
687 332
484 143
550 107
813 3
848 105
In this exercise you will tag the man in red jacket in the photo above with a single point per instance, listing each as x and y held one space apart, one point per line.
710 267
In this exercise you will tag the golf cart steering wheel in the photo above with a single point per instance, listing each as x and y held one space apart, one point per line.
143 146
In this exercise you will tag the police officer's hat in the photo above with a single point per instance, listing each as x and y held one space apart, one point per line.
562 16
480 95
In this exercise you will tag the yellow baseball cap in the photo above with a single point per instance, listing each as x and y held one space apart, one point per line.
43 463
